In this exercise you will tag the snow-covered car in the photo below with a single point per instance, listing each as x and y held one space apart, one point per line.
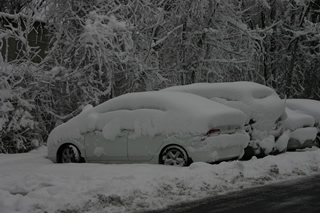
261 104
301 129
309 107
169 128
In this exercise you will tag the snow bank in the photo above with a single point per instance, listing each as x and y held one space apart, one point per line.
307 106
150 113
257 101
30 183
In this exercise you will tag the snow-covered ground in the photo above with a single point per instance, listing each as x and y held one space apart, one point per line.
31 183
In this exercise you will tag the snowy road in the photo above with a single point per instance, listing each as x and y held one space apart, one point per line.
301 195
30 183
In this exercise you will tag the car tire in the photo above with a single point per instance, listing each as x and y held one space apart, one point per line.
69 154
174 156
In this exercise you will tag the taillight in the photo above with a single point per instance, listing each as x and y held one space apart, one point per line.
213 132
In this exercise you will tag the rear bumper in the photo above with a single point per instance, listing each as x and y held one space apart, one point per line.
218 148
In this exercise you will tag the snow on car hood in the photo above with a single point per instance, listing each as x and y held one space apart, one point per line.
258 102
307 106
150 113
295 120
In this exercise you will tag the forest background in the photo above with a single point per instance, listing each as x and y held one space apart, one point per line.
58 56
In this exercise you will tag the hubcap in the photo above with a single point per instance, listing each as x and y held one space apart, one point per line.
69 155
174 158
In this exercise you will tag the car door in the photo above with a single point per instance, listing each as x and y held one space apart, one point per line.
143 148
100 149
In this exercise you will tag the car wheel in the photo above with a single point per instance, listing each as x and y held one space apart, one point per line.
69 154
174 156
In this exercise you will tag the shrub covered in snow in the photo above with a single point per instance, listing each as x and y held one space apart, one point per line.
19 131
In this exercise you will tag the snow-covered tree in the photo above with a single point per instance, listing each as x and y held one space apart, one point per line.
19 127
19 44
289 52
204 40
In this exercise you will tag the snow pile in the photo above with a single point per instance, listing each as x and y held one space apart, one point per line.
302 132
302 113
283 140
295 120
266 144
150 113
30 183
307 106
258 102
305 134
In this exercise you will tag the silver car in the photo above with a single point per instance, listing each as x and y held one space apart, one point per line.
170 128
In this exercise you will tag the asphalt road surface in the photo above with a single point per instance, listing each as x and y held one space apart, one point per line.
301 195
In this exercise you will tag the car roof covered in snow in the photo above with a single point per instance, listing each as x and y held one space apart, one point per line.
258 102
184 105
150 113
307 106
